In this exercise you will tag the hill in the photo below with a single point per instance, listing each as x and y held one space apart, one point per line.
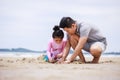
18 50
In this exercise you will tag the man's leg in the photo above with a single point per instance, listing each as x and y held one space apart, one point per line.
96 49
73 42
73 39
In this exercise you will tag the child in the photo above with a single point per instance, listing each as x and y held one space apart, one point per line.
56 45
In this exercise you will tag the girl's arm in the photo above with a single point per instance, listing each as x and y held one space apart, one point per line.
63 46
49 50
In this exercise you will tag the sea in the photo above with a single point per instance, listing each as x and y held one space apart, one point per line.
29 54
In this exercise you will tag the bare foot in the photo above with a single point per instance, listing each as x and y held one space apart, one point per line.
95 59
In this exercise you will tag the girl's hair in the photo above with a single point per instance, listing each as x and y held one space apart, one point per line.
57 32
66 22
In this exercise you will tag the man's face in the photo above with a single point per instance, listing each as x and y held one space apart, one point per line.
70 30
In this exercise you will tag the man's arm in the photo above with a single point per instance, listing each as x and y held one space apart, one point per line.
66 51
78 49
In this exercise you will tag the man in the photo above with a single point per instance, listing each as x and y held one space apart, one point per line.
80 37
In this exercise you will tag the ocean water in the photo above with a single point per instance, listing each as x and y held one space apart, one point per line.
24 54
19 54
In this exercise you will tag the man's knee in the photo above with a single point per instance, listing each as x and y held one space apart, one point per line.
96 51
73 41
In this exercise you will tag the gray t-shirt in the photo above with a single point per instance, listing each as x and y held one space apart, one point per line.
90 31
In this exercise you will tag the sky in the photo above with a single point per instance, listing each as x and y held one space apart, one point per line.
28 23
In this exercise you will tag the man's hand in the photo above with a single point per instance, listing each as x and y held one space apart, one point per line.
67 62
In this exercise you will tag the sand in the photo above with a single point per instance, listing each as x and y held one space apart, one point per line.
23 68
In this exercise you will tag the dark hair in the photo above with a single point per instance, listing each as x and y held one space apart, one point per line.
66 22
57 32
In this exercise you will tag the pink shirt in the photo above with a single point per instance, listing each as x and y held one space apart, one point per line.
54 48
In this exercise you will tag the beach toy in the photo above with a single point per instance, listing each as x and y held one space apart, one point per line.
45 58
53 56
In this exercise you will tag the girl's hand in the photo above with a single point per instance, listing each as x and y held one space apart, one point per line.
52 60
61 60
59 55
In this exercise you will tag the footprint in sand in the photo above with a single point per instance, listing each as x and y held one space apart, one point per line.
110 61
1 59
10 61
40 58
23 59
3 66
17 60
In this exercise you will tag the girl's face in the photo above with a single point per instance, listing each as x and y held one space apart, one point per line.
58 40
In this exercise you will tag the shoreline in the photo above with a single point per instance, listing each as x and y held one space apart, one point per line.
19 54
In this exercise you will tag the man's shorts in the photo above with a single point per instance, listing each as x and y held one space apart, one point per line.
100 44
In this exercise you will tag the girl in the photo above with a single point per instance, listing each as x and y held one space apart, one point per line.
56 45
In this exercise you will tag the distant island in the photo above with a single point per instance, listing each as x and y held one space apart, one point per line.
44 51
20 50
24 50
